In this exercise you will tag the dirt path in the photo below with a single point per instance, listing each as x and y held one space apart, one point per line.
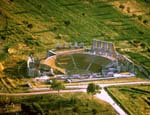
41 92
50 61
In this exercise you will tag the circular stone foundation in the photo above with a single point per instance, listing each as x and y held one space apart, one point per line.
81 63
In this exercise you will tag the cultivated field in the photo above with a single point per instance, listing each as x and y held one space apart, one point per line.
134 99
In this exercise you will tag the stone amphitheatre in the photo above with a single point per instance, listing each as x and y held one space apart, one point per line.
78 62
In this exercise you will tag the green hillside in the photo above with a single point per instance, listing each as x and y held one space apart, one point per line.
34 26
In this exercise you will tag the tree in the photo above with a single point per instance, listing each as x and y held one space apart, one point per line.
57 85
122 6
94 111
145 21
93 89
30 26
76 109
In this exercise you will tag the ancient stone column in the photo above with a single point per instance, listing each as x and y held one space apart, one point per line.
69 45
102 47
76 45
94 45
82 45
114 51
105 47
31 66
111 50
99 46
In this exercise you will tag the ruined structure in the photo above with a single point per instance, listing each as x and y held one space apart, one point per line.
104 48
120 63
70 45
30 66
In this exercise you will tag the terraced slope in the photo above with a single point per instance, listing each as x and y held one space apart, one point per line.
34 26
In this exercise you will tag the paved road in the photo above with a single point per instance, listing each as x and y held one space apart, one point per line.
105 96
109 84
82 88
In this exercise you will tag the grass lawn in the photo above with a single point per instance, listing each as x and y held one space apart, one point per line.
64 104
134 99
81 63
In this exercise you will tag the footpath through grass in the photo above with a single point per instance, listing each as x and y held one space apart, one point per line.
135 99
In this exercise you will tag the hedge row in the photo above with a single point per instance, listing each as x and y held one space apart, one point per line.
117 101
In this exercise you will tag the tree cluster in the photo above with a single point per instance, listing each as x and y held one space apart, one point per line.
93 89
56 85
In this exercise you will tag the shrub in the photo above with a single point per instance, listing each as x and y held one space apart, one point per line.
141 32
140 18
56 85
122 6
4 100
148 49
30 26
32 42
34 108
55 28
134 15
67 22
145 21
38 108
27 108
147 1
143 45
93 89
94 111
39 6
75 109
3 37
25 22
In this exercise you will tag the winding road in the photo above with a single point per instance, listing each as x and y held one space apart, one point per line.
82 88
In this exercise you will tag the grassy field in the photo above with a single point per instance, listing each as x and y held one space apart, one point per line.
64 104
34 26
134 99
81 63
